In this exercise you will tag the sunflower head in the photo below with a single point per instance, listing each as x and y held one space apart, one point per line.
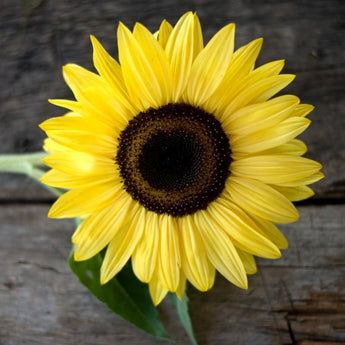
179 157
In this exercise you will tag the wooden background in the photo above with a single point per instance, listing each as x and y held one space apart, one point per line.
299 299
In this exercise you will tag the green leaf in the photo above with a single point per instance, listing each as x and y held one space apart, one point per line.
182 311
125 294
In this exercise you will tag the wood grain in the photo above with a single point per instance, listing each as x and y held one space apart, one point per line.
297 299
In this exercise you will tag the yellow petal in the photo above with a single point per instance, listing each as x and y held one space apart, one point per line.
123 243
267 70
302 180
241 229
239 67
111 72
83 201
157 60
71 105
181 286
220 250
295 193
270 231
258 92
59 179
108 68
248 261
96 231
210 65
157 291
53 147
79 163
81 115
303 110
169 271
184 44
269 137
142 84
195 263
81 120
76 132
164 33
275 169
99 100
79 78
294 147
106 109
260 116
73 121
97 144
261 200
145 255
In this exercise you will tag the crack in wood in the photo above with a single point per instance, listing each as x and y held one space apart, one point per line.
43 267
291 333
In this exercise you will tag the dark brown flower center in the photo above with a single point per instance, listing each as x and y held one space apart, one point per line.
174 159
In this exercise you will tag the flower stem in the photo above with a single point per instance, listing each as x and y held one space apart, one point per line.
29 164
21 163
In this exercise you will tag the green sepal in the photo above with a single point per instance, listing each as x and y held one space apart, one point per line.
182 311
125 295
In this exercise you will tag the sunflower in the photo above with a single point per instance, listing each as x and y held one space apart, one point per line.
178 158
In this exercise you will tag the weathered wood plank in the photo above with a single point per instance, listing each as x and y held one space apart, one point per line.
36 42
298 299
16 187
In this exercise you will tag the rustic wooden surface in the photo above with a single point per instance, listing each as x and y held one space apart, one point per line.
299 299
